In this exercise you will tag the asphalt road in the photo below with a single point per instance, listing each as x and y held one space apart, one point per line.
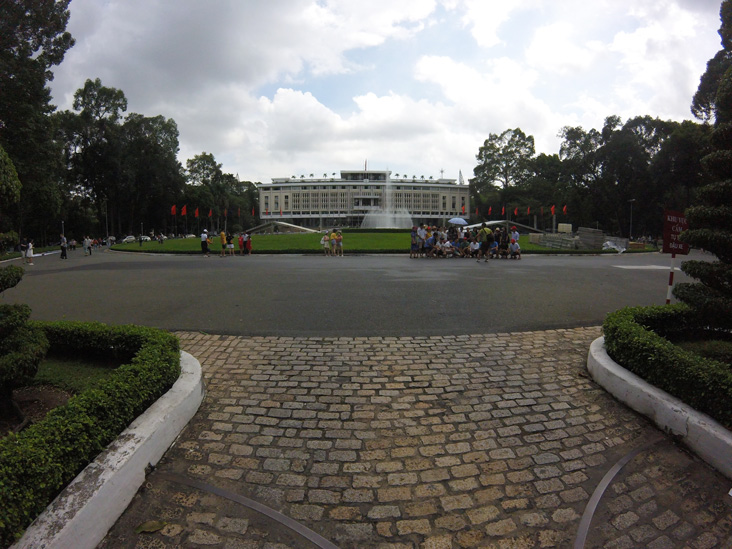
367 295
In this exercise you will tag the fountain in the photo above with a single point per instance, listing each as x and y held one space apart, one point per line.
388 217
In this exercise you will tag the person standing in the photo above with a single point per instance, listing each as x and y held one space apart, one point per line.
64 245
222 238
204 242
29 252
230 244
514 234
87 245
325 243
485 235
339 244
247 243
241 243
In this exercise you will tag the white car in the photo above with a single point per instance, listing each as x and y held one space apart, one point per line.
128 239
145 238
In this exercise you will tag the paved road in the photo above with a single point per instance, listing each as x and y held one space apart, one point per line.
377 436
351 296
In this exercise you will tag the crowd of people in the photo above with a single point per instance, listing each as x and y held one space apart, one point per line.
244 241
465 242
332 243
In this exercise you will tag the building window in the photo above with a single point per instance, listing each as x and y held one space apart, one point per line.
287 201
266 203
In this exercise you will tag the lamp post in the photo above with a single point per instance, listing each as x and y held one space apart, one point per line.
630 231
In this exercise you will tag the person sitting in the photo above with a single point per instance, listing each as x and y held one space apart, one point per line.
493 250
465 247
448 249
503 249
474 247
514 249
429 247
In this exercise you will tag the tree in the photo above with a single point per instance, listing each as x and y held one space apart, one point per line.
710 222
503 160
33 39
703 104
9 182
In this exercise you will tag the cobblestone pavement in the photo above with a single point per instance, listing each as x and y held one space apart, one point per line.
441 442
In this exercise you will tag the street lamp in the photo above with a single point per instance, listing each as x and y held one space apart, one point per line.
630 231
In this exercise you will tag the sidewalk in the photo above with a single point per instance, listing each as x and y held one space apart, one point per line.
467 441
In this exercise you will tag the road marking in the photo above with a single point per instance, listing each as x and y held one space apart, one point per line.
646 267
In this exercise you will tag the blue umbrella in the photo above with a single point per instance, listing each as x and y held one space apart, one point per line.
457 221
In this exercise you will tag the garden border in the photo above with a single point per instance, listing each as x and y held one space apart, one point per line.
82 514
707 438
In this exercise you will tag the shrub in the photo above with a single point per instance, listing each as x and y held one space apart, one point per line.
22 346
639 339
37 463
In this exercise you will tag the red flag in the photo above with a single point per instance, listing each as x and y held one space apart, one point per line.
463 208
226 212
195 213
542 211
252 211
503 210
490 209
528 210
564 210
184 210
553 210
476 210
266 212
280 212
172 210
210 212
515 212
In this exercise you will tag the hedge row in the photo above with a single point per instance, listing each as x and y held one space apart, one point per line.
36 464
640 340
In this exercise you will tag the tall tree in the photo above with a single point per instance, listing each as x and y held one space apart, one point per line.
710 223
504 160
33 39
703 104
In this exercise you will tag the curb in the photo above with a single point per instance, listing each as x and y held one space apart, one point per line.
86 509
707 438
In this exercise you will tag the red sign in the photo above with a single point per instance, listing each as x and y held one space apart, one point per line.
674 223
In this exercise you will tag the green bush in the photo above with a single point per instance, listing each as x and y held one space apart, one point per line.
37 463
640 340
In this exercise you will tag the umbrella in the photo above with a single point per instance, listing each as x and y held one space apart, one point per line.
457 221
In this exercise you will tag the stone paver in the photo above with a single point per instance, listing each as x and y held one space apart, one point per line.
461 441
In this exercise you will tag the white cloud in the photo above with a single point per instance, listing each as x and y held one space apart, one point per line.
299 86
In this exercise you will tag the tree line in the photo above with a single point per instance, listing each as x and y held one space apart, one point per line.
600 175
92 170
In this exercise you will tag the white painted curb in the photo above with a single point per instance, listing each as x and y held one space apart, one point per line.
87 508
706 437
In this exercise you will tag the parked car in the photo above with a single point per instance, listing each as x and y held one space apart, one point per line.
128 239
145 238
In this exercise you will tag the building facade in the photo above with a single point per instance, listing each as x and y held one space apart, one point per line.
344 201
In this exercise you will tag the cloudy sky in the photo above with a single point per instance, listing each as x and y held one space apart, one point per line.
275 88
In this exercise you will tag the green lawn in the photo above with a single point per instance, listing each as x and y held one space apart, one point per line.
281 243
358 242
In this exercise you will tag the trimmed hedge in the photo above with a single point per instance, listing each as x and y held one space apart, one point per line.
639 339
36 464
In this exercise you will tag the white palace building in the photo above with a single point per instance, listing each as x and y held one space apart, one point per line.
356 195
